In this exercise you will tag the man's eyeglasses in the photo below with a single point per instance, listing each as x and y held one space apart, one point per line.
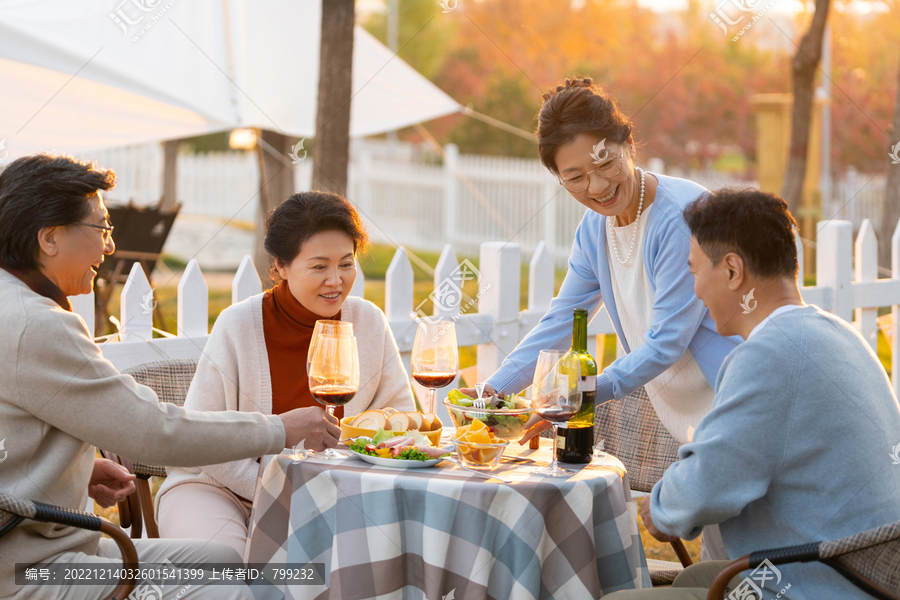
581 181
107 230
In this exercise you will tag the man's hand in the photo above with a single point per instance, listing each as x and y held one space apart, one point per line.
318 428
110 482
648 523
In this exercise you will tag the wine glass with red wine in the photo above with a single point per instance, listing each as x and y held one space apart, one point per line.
334 375
435 356
555 397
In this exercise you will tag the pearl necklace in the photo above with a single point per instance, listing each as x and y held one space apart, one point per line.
637 222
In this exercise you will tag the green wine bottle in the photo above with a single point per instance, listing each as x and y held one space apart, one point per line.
575 439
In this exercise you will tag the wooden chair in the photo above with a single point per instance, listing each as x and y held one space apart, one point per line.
170 379
870 560
633 433
14 510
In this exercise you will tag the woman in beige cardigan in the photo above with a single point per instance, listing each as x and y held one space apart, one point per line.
255 359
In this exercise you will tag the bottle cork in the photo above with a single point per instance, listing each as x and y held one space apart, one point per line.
535 442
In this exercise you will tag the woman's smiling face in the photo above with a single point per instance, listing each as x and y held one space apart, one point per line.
322 274
609 197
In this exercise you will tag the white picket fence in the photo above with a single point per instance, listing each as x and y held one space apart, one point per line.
496 328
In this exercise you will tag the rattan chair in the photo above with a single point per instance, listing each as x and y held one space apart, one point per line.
14 510
870 560
632 432
170 379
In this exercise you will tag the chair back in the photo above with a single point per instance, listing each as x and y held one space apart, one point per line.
871 560
632 432
171 380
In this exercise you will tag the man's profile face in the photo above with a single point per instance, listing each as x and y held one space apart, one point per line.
711 287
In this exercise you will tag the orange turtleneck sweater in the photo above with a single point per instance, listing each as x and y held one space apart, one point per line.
288 327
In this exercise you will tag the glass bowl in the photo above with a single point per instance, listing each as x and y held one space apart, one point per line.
506 424
481 457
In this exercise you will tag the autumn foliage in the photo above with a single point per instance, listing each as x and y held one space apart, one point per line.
686 85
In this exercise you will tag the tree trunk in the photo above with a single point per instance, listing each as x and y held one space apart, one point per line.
331 152
804 67
890 212
170 176
276 184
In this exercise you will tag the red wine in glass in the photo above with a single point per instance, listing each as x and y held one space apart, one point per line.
333 395
557 414
434 380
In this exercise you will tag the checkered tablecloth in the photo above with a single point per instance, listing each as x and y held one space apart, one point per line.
394 534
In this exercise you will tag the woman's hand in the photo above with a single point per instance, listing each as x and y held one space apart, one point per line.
110 482
470 392
313 426
534 427
648 523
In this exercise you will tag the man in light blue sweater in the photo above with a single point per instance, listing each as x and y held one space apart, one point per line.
797 446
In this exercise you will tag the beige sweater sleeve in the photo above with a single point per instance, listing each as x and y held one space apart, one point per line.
63 379
217 386
393 384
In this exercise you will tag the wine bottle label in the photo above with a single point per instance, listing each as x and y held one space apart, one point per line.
588 383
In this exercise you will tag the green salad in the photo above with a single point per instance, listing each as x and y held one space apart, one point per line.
369 447
501 425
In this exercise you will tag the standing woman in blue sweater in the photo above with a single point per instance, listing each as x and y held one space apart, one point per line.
630 254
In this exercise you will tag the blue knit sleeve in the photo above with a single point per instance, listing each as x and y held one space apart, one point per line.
580 289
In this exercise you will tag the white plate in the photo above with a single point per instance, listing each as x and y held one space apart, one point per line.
396 463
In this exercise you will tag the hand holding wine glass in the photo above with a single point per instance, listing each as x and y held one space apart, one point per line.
555 396
435 356
334 374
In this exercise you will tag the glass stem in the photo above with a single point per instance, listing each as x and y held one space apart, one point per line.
330 409
553 464
433 393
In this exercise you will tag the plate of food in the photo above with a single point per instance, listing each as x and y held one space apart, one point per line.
402 452
505 414
367 423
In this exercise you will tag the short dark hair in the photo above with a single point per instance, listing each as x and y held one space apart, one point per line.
43 191
755 225
574 108
305 214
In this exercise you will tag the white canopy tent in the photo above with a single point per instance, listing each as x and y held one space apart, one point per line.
81 74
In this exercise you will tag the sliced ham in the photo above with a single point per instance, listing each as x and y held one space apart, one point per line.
432 452
397 441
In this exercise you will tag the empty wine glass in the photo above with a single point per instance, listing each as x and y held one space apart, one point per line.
435 356
334 374
325 327
555 397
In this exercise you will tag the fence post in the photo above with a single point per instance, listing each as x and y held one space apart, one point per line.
540 278
137 306
500 270
799 243
359 286
548 213
895 313
83 306
398 304
451 164
866 269
447 300
246 281
193 302
834 265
